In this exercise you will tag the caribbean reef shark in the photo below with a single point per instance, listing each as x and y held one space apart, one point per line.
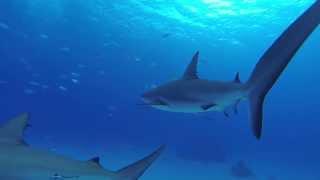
19 161
191 94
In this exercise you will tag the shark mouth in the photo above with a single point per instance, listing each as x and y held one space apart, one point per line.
154 102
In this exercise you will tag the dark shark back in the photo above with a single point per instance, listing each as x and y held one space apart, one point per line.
275 60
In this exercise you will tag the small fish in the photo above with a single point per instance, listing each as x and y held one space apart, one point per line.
101 72
166 35
4 26
65 49
62 88
44 36
29 91
34 83
75 74
81 66
137 59
44 86
75 81
3 82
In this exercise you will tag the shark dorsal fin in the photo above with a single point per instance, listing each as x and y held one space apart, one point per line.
13 130
237 78
191 71
95 160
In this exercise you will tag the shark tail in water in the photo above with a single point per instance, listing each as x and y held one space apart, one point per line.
136 170
275 60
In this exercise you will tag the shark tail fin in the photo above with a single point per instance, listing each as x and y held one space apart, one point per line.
275 60
137 169
256 113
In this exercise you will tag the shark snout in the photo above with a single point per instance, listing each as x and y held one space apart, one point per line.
144 97
150 98
147 98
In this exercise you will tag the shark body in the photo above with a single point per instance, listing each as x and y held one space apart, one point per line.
193 94
196 95
19 161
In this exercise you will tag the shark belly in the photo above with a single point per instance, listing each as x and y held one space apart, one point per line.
22 172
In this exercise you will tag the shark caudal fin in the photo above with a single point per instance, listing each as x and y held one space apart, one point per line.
136 170
275 60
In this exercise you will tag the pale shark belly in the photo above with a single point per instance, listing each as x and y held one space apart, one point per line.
196 102
189 108
26 170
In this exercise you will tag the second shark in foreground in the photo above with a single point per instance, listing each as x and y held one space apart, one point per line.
18 161
192 94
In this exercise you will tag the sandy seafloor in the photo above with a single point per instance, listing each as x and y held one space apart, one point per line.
266 166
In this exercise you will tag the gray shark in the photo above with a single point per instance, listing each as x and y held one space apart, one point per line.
190 94
19 161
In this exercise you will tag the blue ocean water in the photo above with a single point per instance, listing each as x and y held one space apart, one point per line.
79 67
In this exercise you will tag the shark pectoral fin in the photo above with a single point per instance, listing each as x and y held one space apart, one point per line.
13 130
226 114
256 113
191 71
136 170
235 107
208 106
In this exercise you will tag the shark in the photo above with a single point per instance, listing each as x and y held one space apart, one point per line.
20 161
192 94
